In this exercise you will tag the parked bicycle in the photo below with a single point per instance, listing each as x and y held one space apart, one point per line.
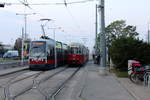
138 72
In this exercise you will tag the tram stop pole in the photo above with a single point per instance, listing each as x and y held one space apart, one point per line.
102 70
22 48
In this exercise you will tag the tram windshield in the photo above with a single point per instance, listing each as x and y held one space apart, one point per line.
75 50
38 48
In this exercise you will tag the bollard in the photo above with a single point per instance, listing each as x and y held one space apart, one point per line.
145 79
148 80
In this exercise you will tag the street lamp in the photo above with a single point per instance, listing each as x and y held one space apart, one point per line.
25 22
24 33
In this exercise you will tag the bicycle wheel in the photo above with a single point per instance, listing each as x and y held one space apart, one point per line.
133 77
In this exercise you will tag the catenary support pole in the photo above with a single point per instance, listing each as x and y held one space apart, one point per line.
96 29
22 48
102 38
55 49
148 36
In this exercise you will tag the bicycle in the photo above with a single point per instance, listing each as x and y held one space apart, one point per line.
137 73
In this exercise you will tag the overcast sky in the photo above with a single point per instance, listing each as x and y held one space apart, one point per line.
77 20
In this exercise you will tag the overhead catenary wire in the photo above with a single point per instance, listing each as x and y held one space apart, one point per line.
27 5
72 16
59 3
73 19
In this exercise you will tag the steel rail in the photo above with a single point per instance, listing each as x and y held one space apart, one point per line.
10 78
57 91
35 83
6 88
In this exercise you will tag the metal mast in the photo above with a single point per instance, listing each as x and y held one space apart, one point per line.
102 38
22 49
25 22
148 37
96 28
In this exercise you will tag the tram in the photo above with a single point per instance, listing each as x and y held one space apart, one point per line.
78 54
44 55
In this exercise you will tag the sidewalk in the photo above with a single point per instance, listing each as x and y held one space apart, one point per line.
140 92
99 87
12 70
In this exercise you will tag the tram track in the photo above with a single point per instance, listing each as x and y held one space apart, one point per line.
13 81
58 90
34 84
10 77
35 81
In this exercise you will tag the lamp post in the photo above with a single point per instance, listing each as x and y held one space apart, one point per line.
25 22
24 34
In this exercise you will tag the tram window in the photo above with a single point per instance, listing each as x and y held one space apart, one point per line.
48 50
80 51
52 53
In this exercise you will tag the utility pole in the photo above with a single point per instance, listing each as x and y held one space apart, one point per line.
102 38
22 49
55 49
96 28
148 37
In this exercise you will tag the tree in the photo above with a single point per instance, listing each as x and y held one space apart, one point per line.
124 45
2 50
18 45
119 29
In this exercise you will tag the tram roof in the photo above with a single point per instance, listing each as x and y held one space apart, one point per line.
73 44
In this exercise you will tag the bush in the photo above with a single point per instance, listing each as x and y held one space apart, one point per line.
124 49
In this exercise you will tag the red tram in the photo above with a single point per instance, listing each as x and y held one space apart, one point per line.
42 54
78 54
